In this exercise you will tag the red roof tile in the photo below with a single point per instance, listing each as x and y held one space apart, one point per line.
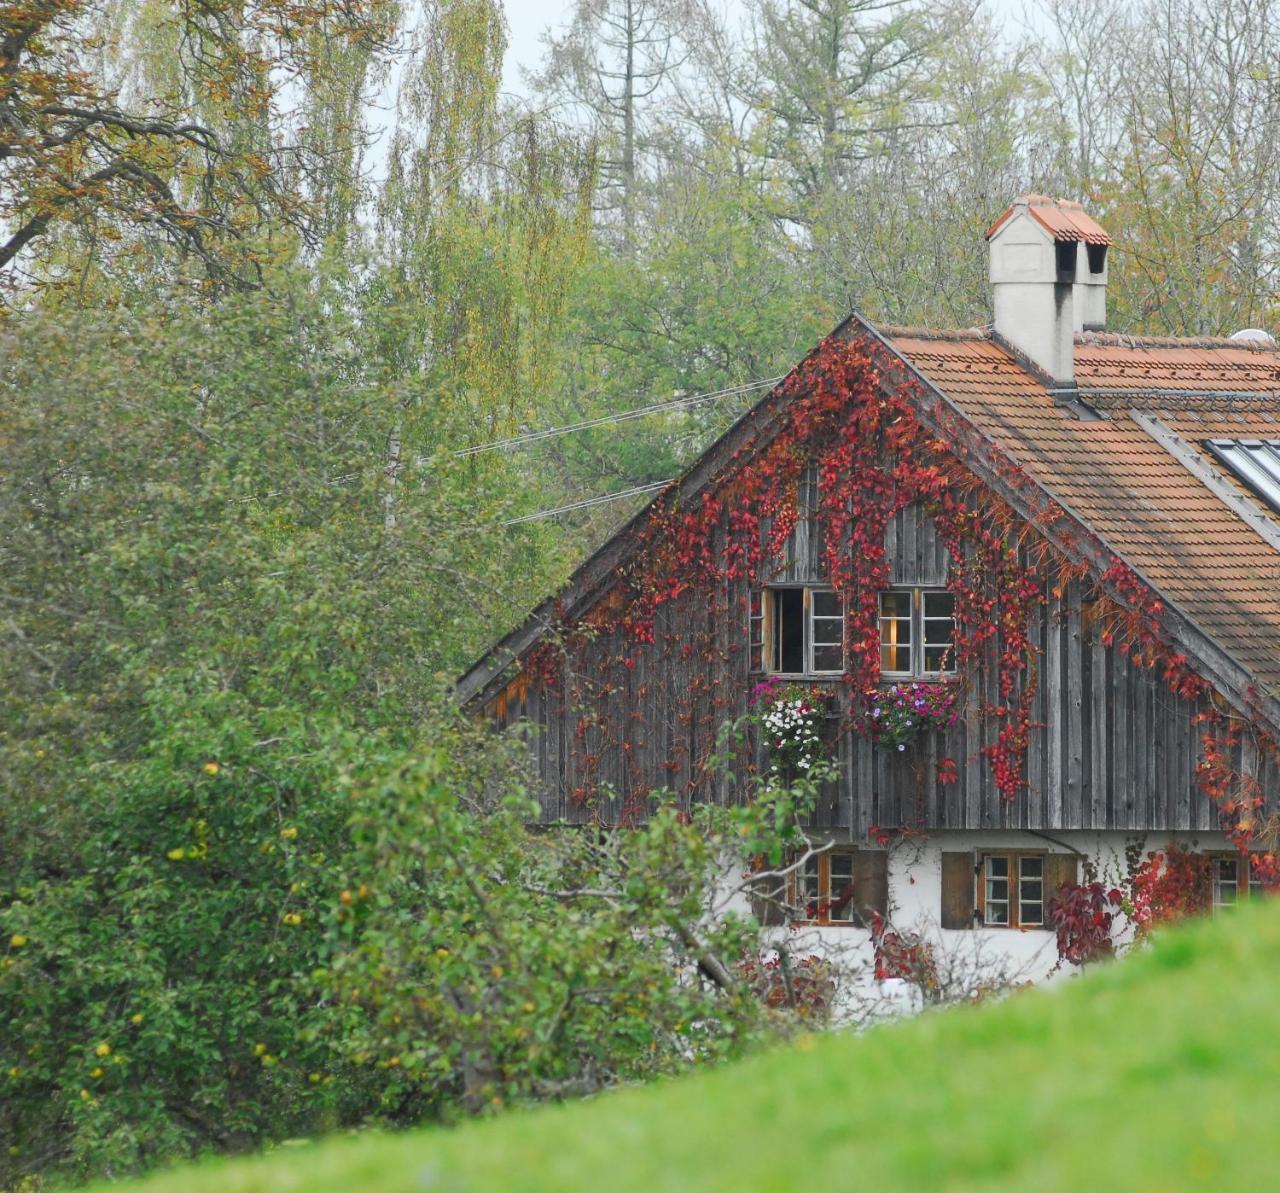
1147 507
1063 219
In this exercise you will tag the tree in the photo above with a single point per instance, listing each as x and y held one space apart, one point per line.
169 127
615 60
835 76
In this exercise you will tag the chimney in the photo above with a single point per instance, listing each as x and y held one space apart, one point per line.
1049 279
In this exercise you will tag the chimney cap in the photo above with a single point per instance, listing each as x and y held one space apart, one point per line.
1063 219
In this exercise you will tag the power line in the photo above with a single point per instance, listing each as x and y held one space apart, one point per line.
587 503
684 403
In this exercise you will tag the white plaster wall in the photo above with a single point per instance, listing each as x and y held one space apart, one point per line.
915 900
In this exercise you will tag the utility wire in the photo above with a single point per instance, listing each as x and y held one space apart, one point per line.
684 403
588 503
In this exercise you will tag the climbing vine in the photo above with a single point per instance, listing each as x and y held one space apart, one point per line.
691 564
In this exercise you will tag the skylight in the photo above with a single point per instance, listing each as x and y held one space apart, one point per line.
1254 461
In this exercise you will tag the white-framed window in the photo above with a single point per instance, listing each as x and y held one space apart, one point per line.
797 631
1226 882
1232 881
1011 890
917 632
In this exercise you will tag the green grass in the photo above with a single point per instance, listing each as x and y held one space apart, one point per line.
1160 1072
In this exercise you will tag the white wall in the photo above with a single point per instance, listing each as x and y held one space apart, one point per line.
973 955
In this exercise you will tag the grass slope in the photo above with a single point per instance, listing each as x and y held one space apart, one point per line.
1161 1072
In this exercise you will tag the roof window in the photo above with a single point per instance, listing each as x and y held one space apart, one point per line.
1254 461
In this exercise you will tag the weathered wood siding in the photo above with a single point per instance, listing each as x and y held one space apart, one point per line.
1111 747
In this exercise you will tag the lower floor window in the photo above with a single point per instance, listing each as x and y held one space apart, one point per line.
1011 890
1232 880
826 889
841 886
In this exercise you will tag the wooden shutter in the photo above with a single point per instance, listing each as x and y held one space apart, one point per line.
767 898
870 885
957 890
1059 870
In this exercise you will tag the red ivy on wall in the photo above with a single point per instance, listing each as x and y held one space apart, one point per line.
873 457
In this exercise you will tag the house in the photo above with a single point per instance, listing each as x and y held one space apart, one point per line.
1073 535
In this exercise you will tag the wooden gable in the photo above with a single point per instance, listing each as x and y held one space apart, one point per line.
1109 743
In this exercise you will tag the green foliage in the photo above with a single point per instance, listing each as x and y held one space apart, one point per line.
209 623
485 963
1017 1094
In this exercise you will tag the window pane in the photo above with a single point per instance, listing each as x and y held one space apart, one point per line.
1254 462
895 632
828 658
787 655
756 619
809 889
996 878
938 659
940 604
1030 891
826 604
841 887
895 658
828 631
939 632
895 604
1225 881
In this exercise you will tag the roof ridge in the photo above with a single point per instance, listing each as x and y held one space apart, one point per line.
1115 339
907 331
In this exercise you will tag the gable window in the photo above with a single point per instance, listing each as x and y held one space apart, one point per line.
917 632
797 631
1011 890
1254 461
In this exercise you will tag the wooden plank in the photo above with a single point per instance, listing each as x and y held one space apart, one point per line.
934 573
1192 801
953 793
1073 790
864 777
974 763
1033 816
1054 632
907 564
930 816
1141 736
1125 745
1099 708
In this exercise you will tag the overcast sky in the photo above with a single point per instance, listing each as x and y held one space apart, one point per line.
527 19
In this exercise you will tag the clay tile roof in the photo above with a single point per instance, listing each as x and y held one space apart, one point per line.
1063 219
1144 503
